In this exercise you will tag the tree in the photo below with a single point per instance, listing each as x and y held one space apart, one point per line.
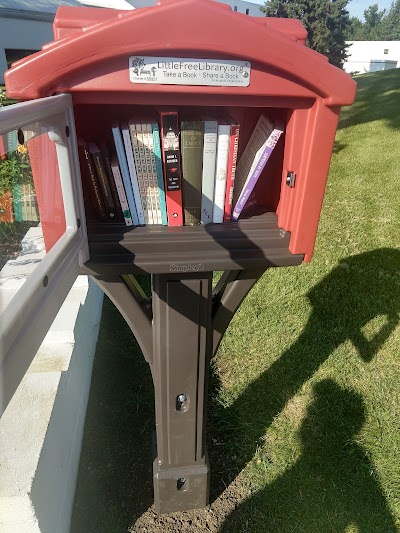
356 30
390 27
326 21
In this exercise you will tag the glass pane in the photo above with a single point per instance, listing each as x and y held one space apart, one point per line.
32 216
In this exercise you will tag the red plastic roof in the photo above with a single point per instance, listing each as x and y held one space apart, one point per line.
181 28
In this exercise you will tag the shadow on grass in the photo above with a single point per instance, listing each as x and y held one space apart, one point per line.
115 482
330 487
378 98
360 289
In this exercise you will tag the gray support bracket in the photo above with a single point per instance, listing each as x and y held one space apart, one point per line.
178 337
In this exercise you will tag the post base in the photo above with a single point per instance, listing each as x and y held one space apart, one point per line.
181 489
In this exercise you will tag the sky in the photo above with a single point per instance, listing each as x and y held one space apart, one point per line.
355 7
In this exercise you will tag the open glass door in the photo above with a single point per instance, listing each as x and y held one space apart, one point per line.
40 197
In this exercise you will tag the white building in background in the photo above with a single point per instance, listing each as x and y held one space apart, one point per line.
371 56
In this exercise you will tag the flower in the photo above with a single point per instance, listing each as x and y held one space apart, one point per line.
22 149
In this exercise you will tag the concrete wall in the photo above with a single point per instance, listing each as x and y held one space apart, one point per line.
361 53
22 34
42 428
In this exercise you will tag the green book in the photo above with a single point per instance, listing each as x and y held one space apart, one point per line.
17 202
192 137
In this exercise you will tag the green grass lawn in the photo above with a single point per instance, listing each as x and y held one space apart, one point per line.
4 100
304 410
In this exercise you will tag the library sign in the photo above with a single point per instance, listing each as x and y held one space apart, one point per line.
188 71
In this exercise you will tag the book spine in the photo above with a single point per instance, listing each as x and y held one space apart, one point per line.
35 208
12 141
31 208
123 165
159 172
251 153
121 193
230 179
28 193
24 202
192 137
89 175
153 174
17 206
132 172
172 167
114 193
141 134
208 176
221 168
256 172
139 171
3 151
103 181
6 212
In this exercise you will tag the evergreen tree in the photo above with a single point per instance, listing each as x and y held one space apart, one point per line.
326 21
390 26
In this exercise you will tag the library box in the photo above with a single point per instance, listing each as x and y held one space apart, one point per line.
200 59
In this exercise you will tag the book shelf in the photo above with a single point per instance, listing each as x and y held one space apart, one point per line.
254 241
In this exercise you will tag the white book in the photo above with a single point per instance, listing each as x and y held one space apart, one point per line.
221 169
208 177
132 171
153 174
121 192
123 165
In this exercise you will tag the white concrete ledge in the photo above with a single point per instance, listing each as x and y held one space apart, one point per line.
42 428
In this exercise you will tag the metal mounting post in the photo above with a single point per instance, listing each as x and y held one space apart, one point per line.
178 339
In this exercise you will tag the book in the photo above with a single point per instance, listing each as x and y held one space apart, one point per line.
89 179
192 136
146 187
102 178
254 158
17 205
24 201
208 173
139 171
172 167
126 135
31 206
231 172
6 212
121 191
221 169
159 172
123 165
152 170
114 193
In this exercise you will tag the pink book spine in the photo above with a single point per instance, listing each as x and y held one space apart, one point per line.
230 179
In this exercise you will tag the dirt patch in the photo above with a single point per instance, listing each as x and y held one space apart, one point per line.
207 520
